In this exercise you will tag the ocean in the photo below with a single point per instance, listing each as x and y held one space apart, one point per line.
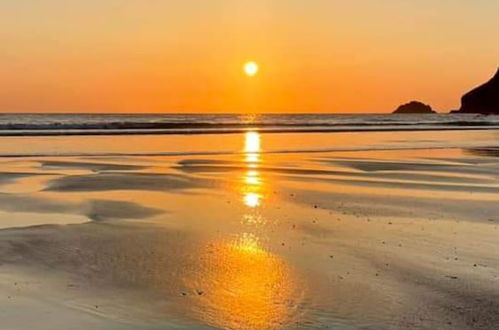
123 124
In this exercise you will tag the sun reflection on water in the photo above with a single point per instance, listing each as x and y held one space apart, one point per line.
252 181
252 178
252 200
254 220
251 288
252 143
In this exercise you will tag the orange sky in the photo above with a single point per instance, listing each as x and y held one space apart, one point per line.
187 55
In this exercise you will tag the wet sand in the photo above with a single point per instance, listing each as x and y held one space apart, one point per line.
250 231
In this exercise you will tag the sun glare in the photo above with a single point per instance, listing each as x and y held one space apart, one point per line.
251 68
252 142
252 199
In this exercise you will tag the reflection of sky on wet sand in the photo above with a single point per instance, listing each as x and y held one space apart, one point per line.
239 242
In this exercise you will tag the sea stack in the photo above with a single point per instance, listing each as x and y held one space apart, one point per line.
484 99
414 107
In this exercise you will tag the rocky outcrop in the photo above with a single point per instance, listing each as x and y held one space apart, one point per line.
484 99
414 107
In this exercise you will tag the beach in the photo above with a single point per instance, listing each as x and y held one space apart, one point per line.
251 230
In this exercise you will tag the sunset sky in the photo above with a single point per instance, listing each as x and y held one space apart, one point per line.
188 55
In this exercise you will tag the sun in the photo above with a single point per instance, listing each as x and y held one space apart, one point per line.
251 68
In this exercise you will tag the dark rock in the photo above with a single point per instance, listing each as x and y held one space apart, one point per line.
484 99
414 107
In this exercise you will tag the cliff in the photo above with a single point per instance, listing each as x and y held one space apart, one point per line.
484 99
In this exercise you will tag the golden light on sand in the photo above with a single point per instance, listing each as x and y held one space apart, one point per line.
251 68
254 220
248 243
247 287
